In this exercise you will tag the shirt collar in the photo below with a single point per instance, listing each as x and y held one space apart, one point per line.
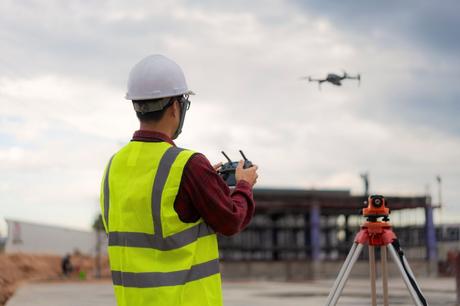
151 136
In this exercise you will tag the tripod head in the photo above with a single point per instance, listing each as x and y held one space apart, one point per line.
376 208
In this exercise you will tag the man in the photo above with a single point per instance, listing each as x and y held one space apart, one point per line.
162 206
66 265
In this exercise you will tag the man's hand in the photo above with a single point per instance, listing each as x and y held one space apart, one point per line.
217 166
249 174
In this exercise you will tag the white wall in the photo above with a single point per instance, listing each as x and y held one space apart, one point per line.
34 238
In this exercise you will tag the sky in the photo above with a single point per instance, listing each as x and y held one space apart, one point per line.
64 67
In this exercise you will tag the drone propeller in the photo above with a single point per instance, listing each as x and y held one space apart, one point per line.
306 78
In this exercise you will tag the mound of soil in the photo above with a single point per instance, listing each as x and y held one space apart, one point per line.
17 268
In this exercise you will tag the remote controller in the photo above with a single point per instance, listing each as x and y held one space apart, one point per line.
227 171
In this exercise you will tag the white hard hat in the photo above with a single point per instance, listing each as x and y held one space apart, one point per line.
154 77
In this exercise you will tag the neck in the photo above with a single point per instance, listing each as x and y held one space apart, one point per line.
157 127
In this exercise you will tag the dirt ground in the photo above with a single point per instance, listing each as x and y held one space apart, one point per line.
18 268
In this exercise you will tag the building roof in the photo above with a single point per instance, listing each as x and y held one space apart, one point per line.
271 200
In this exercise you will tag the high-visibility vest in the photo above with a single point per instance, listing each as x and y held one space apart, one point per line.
155 258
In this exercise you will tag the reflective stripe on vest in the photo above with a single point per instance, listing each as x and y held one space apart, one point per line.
142 240
194 241
158 279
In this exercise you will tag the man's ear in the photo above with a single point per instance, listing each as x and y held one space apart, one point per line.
174 109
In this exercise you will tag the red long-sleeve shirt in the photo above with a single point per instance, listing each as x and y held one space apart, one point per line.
203 193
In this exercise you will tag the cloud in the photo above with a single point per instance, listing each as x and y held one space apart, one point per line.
425 24
64 72
37 103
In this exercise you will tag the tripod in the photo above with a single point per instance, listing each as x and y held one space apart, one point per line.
375 233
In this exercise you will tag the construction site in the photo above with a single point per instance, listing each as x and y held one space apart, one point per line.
237 153
292 250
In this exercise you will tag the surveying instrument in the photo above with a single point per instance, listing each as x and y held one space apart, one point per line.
377 233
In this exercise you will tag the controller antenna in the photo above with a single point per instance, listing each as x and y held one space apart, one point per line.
229 160
242 154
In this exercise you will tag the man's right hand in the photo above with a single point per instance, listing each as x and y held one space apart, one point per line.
249 175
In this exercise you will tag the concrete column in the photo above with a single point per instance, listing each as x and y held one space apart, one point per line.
326 232
275 253
347 230
306 231
315 231
431 243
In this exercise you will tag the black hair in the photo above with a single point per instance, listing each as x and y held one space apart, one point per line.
153 116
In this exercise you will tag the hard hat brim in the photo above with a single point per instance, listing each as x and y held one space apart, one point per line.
128 97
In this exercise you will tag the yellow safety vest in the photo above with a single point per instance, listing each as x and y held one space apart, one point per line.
155 258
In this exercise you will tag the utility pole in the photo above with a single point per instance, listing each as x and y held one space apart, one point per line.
440 204
365 177
439 180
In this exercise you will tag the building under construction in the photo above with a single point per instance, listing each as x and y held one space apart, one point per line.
301 233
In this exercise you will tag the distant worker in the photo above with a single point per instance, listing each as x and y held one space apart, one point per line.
66 265
162 205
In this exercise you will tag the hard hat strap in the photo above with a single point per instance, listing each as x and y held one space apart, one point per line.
184 106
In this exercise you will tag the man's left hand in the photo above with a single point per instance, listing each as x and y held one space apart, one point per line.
217 166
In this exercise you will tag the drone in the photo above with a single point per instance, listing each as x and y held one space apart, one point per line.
333 79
